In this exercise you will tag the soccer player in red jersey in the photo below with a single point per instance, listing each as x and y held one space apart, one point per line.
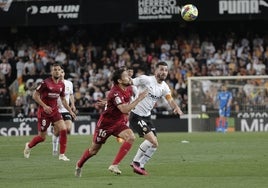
46 95
64 112
113 121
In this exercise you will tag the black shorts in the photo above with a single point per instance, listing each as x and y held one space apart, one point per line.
142 125
66 116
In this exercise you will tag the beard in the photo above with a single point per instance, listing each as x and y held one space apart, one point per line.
126 84
161 77
56 77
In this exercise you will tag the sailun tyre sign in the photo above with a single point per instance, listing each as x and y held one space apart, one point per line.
53 13
61 11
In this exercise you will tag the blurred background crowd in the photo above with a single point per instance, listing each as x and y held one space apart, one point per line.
90 54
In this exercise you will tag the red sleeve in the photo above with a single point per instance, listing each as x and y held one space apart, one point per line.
115 97
41 87
62 93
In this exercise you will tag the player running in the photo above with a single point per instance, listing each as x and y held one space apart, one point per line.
68 119
139 118
113 121
46 96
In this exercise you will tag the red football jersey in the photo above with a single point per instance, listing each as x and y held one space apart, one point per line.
50 92
116 97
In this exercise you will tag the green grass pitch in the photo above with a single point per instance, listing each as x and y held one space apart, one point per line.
209 160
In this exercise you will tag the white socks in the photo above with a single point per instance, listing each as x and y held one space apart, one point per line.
55 142
147 156
142 149
144 153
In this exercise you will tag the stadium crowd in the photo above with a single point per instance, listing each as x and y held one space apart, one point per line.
89 58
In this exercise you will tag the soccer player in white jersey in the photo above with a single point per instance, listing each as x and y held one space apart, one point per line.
64 112
139 118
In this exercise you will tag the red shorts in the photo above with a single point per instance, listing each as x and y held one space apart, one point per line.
44 120
105 129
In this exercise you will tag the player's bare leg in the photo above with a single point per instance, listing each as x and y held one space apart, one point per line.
69 125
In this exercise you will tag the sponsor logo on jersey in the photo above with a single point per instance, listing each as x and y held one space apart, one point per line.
53 95
144 129
154 97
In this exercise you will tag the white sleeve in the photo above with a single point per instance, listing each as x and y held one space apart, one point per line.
135 90
166 89
141 80
72 88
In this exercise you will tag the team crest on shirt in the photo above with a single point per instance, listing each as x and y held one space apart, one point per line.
144 129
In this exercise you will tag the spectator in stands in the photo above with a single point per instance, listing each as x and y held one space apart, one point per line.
61 56
97 94
2 81
40 67
232 53
6 70
32 112
20 67
29 67
9 53
4 97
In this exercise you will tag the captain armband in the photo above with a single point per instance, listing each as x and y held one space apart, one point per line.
168 97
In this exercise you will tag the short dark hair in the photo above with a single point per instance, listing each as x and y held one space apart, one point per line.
130 68
161 63
57 64
117 75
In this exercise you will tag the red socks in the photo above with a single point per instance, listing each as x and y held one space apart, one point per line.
63 141
86 155
124 149
37 139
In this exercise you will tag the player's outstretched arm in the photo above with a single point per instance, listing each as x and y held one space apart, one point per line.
174 106
126 108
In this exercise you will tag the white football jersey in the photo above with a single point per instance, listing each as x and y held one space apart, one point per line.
155 92
68 91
